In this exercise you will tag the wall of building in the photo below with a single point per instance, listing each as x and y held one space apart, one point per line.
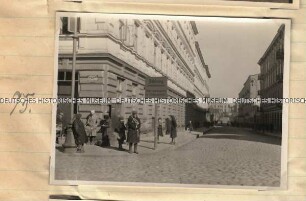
247 111
114 57
271 79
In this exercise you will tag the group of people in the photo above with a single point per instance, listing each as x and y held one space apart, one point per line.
86 133
129 132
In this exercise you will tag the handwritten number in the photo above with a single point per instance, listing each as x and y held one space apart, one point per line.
18 95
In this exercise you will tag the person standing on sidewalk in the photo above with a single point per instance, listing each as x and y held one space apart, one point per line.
173 132
92 125
105 126
133 131
159 129
79 133
168 126
190 126
121 133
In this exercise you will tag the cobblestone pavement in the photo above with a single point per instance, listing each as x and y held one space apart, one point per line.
223 156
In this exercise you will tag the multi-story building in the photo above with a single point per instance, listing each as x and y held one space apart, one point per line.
271 82
247 111
115 56
223 112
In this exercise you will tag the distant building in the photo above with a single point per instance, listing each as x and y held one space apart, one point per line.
247 111
223 112
115 56
271 82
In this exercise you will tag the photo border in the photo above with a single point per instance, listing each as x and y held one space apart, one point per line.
294 5
285 113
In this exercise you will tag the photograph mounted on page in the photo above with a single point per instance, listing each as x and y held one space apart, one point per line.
170 101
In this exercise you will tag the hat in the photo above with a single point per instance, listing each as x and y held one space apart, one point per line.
134 112
121 118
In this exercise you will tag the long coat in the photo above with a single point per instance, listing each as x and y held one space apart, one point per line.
105 126
168 126
133 135
121 132
92 125
79 132
173 133
160 129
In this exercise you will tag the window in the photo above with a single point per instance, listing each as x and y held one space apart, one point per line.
67 76
134 90
119 84
122 31
67 25
64 26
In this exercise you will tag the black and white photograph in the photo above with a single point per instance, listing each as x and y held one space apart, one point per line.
106 63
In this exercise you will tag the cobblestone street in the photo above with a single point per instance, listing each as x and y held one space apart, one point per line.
223 156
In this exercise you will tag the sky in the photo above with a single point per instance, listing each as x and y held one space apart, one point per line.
231 48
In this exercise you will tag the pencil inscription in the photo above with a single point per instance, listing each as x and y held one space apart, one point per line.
21 98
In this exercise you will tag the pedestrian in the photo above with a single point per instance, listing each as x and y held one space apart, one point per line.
173 132
168 126
121 133
190 126
133 125
159 129
79 133
105 126
59 126
92 126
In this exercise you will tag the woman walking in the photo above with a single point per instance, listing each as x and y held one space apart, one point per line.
79 133
173 132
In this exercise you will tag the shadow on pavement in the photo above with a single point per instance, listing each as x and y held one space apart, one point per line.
235 133
60 148
146 147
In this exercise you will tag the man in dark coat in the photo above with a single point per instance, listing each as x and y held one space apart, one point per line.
173 133
133 131
168 126
79 133
121 133
105 125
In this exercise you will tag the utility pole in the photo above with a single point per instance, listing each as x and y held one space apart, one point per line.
155 125
75 37
69 145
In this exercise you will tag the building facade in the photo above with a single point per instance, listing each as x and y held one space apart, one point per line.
115 56
247 111
271 82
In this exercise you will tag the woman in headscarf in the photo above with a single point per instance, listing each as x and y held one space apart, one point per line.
79 133
173 132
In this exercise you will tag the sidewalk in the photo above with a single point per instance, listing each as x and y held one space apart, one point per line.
279 135
146 145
